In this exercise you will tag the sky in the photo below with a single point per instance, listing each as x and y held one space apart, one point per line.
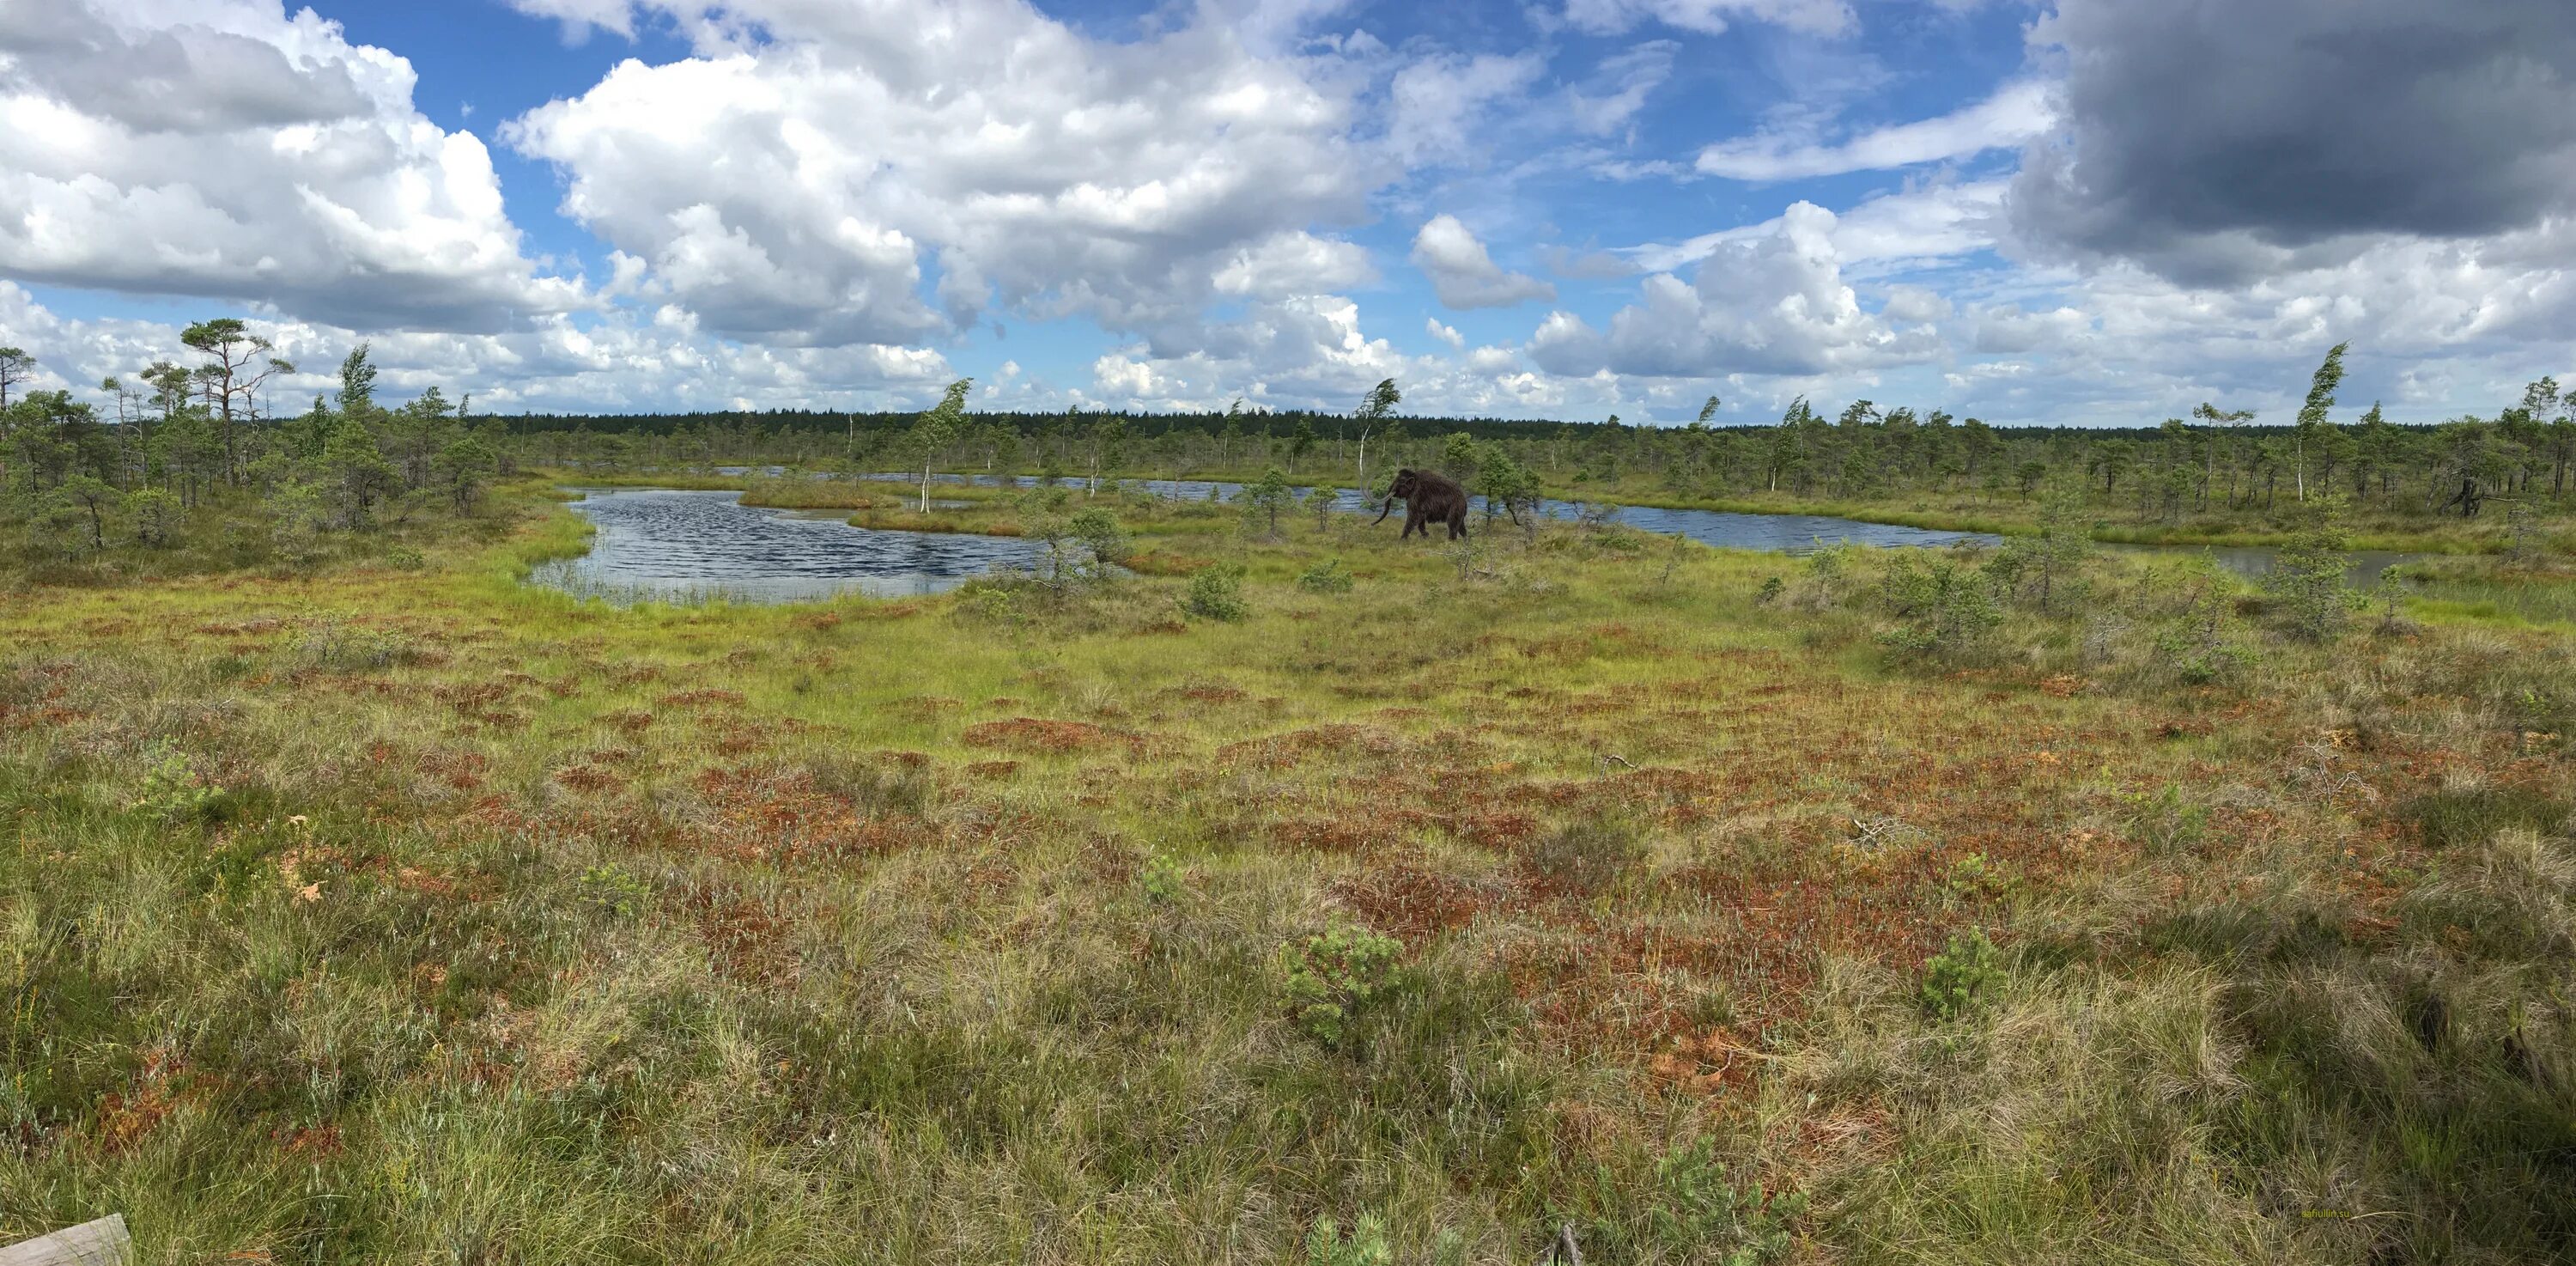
2065 212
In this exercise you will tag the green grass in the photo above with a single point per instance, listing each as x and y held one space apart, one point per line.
2372 526
361 913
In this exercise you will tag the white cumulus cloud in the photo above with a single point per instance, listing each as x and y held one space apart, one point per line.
223 150
804 185
1464 274
1775 303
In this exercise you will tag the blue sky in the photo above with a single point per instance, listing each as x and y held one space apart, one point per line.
2035 212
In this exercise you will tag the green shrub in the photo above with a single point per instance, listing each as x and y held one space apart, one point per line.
172 788
1263 502
1332 978
2203 661
1944 608
1319 505
1365 1246
2166 822
1973 876
2050 565
156 516
1082 547
2200 641
1832 566
1098 531
1698 1210
1216 593
614 889
987 598
1160 879
1325 577
1963 976
2307 580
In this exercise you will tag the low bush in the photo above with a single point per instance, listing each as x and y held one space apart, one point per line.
1327 576
1945 609
1216 593
172 787
1332 978
1365 1246
1963 977
1705 1214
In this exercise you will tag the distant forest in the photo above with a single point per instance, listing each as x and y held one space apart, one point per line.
176 434
1281 422
2213 461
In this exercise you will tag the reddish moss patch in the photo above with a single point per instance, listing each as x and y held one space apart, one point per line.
1038 735
1337 835
587 778
1283 751
631 722
746 941
774 815
1411 901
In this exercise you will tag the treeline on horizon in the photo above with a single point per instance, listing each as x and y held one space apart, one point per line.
2216 461
1278 422
197 431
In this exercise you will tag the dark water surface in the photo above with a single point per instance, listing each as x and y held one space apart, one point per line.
665 545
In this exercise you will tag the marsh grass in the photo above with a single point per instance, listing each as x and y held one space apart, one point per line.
377 914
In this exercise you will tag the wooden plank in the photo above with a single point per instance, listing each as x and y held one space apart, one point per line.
100 1243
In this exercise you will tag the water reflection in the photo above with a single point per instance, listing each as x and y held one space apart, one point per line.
665 545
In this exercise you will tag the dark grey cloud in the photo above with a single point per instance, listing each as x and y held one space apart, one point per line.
191 79
2217 140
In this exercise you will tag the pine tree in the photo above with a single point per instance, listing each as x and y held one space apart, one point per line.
2312 415
354 471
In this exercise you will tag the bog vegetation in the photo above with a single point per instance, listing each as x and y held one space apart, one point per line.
1244 886
131 465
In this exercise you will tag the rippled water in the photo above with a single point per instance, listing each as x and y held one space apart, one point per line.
665 545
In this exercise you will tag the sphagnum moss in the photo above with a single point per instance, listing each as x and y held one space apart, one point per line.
419 915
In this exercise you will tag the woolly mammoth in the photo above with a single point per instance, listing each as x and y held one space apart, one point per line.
1427 499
